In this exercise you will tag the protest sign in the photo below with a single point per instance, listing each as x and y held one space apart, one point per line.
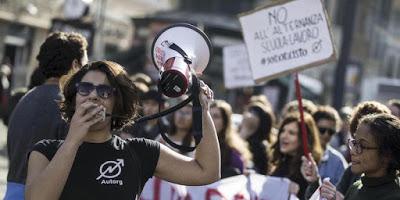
287 36
254 186
237 72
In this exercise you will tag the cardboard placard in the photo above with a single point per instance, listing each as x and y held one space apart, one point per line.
254 186
287 36
237 71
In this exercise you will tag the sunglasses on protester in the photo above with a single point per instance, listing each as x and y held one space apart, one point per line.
324 130
103 91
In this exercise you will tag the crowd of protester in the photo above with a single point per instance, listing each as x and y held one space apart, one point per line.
354 151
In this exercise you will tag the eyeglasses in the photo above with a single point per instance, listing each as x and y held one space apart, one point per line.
357 146
103 91
324 130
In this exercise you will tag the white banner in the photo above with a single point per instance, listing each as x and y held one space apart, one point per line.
237 71
287 36
252 187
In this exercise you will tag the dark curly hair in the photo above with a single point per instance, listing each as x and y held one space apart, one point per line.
126 97
385 128
365 108
59 51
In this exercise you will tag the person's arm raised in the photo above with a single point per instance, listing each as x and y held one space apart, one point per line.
46 179
204 168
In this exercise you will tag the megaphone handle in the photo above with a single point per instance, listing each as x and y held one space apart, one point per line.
197 119
197 111
165 112
175 47
176 146
163 133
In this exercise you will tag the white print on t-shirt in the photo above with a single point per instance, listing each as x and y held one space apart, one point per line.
109 170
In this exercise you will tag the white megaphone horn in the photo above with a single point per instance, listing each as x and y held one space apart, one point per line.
178 52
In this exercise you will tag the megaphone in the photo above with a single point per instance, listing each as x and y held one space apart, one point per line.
178 52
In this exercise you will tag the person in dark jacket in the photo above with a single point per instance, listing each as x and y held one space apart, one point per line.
37 116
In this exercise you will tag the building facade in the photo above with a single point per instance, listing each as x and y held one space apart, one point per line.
24 25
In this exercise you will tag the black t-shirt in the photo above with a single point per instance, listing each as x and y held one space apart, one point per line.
107 170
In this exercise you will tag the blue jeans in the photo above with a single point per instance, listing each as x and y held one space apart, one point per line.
15 191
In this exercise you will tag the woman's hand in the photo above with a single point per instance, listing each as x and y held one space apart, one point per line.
328 191
309 169
206 96
86 115
43 173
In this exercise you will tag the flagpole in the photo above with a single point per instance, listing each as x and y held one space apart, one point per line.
304 133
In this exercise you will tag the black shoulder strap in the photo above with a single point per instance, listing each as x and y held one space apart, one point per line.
197 117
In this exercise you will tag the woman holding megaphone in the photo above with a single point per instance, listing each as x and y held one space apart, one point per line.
91 163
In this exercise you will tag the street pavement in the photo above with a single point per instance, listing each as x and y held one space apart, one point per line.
3 159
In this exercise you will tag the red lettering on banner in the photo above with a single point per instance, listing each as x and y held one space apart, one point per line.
174 193
157 188
213 192
238 197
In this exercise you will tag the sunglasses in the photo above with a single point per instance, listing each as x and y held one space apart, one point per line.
324 130
103 91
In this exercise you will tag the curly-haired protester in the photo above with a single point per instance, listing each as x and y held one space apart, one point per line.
365 108
375 153
348 177
37 115
288 150
91 163
235 155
